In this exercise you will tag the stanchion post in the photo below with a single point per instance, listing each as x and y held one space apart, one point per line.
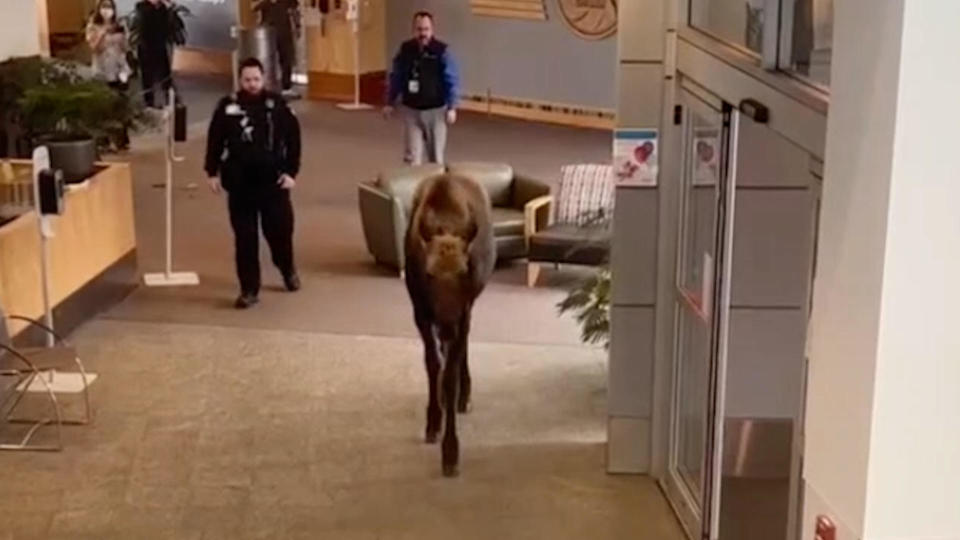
169 278
353 14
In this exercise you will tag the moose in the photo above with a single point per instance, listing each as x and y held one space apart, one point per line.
450 255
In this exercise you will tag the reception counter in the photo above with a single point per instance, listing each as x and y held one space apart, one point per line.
92 255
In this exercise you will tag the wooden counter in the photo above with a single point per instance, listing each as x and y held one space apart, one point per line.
92 256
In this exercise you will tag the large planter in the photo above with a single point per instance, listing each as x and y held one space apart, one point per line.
74 158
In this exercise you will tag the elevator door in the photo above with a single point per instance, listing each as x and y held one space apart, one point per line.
702 296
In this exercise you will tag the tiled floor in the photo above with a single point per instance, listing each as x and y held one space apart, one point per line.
212 432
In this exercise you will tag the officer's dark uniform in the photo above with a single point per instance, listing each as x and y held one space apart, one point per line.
278 14
252 141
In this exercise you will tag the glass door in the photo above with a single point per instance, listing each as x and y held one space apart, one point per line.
702 307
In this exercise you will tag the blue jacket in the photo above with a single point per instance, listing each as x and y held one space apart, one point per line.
403 65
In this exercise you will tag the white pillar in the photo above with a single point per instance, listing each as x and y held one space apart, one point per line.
883 417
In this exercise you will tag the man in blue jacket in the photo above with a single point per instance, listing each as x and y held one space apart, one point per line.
424 79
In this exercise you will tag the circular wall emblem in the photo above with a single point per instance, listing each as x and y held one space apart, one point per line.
590 19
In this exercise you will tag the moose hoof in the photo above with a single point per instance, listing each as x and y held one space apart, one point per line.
450 471
465 407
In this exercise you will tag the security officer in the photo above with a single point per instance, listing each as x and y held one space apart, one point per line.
283 16
253 145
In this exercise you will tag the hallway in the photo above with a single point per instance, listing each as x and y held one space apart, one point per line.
301 418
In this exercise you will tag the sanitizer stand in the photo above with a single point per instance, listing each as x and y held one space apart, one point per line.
353 15
41 162
169 278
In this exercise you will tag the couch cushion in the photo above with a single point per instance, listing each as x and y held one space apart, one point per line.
507 221
572 244
496 178
402 182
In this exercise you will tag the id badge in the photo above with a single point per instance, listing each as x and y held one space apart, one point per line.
413 86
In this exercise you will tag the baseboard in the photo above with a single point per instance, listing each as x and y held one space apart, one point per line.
198 60
541 111
101 293
325 86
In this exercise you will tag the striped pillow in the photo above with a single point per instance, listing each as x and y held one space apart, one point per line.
585 194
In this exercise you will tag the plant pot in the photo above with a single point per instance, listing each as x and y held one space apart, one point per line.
74 158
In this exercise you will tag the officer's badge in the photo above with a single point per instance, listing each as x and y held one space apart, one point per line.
233 110
247 135
269 103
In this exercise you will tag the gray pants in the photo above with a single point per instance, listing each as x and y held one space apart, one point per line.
424 131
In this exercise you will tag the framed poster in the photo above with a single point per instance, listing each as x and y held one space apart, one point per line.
635 159
706 156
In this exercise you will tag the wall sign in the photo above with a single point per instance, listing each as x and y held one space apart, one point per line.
511 9
635 160
590 19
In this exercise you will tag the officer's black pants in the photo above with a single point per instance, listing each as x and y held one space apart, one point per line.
248 208
155 72
286 53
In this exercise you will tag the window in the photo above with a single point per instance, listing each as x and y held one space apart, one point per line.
739 22
811 42
795 36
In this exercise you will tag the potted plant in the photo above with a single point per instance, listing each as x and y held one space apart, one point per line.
177 37
589 298
75 116
16 76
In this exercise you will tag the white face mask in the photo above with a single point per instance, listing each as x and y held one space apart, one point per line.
107 14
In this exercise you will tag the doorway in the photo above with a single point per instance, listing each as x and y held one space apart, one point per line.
702 298
746 224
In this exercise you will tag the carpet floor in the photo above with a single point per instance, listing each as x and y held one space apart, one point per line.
215 432
303 417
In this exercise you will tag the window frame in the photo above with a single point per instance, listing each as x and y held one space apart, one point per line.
777 44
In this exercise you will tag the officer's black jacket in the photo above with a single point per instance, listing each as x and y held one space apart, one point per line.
252 140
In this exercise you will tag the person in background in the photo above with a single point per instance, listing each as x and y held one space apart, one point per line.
283 17
107 39
153 48
253 152
425 79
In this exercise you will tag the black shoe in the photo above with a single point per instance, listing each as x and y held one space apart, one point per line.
246 300
292 282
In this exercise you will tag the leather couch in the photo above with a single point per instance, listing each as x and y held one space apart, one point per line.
385 205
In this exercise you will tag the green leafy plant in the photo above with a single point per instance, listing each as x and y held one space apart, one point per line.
51 100
17 76
589 299
178 35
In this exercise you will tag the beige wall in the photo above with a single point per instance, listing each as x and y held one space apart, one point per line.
22 28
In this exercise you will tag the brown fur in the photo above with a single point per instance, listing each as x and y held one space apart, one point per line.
450 255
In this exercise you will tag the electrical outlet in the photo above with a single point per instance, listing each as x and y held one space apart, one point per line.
825 530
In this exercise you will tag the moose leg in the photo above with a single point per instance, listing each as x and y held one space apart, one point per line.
451 387
432 362
463 403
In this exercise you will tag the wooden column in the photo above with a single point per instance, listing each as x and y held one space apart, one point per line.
330 61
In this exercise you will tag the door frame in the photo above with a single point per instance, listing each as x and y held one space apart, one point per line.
703 521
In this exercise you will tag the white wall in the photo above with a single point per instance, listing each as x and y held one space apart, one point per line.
849 279
19 28
914 472
882 428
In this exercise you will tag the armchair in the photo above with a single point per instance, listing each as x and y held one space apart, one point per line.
385 205
572 227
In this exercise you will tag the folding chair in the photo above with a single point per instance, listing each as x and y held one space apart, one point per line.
25 366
